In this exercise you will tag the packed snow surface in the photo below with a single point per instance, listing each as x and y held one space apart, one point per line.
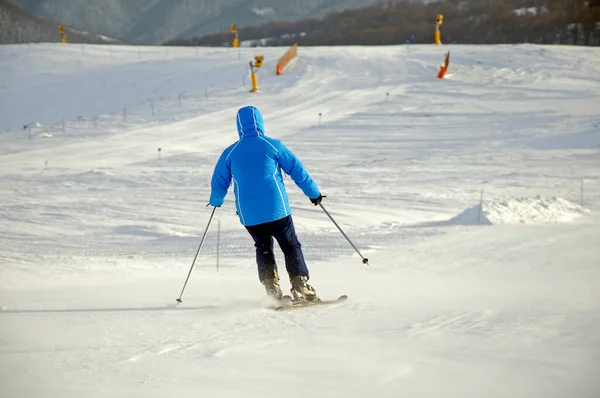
106 155
520 211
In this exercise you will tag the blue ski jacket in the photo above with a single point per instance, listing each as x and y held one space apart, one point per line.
254 164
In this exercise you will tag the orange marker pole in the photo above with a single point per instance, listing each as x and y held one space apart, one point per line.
442 72
444 66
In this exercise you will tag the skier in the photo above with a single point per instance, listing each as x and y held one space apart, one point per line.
254 164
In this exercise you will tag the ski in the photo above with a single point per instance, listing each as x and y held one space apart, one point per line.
287 305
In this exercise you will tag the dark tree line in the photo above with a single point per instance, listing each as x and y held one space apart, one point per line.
465 22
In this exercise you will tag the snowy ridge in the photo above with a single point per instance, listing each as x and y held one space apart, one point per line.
536 210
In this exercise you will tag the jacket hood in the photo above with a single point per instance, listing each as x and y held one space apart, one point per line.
249 122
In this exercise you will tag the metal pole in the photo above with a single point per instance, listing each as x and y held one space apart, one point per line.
480 208
218 242
364 260
196 256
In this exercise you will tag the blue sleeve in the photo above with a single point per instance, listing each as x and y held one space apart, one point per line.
220 181
292 166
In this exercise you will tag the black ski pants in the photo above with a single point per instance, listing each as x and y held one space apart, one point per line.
283 231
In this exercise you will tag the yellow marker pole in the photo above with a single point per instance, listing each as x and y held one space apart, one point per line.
439 20
254 82
236 41
258 61
61 32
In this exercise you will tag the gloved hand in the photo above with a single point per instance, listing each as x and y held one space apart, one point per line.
318 200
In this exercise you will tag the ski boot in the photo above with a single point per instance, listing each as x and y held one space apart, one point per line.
272 287
302 291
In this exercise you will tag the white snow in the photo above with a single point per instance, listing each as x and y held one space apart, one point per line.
263 11
519 211
529 10
99 228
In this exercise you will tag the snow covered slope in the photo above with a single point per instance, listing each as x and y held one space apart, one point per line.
520 211
99 227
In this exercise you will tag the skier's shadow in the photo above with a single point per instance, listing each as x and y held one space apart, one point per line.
113 309
174 307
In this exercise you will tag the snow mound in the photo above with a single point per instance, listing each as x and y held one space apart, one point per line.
536 210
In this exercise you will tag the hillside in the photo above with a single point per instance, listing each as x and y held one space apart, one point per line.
19 26
157 21
477 22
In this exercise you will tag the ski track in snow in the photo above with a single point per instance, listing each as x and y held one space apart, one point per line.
99 229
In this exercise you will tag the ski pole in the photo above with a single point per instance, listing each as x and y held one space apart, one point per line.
198 251
364 259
